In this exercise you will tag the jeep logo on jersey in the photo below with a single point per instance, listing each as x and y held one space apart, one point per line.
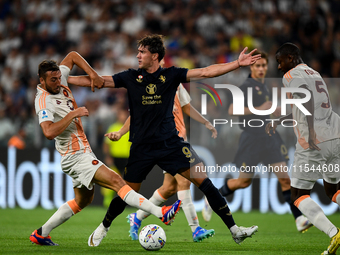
65 93
58 102
151 89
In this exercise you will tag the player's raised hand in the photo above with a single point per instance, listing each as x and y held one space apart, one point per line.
271 126
248 59
96 82
113 136
312 140
81 111
213 130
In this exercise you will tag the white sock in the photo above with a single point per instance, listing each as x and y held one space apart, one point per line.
156 199
60 216
316 215
135 199
233 229
188 208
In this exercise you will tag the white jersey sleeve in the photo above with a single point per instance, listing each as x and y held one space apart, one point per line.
183 95
43 106
65 72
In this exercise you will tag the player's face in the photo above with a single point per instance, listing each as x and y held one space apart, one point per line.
285 62
145 57
52 82
259 69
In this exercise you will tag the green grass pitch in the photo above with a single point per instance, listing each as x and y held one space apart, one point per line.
277 234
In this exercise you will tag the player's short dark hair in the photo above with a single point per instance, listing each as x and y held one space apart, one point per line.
288 49
263 55
47 65
155 44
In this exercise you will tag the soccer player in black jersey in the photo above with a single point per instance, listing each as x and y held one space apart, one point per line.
256 146
151 91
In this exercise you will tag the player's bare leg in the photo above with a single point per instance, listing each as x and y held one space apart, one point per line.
230 185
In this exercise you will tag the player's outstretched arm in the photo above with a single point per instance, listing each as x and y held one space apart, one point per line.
220 69
85 81
53 129
115 136
73 58
191 111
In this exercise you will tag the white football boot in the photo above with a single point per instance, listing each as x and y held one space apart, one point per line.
303 224
243 233
98 235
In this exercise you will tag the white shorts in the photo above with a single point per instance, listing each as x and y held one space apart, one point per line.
81 167
311 165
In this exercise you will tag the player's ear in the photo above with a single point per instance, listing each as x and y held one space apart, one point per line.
155 56
41 79
290 58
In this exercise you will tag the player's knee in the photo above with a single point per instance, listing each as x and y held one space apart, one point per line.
169 189
285 183
116 182
183 184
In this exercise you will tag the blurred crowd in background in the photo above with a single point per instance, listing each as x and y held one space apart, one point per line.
197 33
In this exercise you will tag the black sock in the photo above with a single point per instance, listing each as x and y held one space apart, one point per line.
39 231
287 195
217 202
224 190
116 207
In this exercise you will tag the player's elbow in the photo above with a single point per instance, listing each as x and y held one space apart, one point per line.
72 54
49 135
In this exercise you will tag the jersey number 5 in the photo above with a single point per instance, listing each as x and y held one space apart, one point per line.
319 89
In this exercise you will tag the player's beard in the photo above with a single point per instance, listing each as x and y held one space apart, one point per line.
50 90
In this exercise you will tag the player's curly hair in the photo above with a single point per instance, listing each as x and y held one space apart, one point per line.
47 65
289 49
263 55
154 43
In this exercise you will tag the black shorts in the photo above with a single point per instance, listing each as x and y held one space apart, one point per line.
254 148
171 155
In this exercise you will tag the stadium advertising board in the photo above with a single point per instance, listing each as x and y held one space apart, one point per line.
32 178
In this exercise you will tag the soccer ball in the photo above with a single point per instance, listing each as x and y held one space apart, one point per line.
152 237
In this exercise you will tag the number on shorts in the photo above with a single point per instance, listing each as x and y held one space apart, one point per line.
186 152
